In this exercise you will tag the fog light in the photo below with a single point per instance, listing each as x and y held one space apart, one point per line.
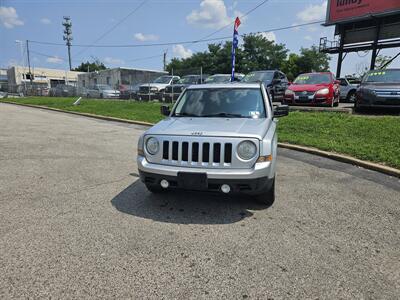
264 158
225 188
164 184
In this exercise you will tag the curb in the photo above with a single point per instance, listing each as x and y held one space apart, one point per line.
344 158
82 114
344 110
335 156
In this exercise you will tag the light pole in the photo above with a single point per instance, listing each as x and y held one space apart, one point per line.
21 44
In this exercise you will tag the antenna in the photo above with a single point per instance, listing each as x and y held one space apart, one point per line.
67 37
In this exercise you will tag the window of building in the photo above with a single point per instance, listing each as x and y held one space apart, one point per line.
95 80
108 80
83 83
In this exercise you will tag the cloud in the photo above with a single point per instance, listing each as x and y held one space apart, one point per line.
308 38
270 36
212 14
145 37
45 21
313 13
181 51
55 60
113 61
9 17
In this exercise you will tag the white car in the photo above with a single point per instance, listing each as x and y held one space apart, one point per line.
155 89
102 91
217 138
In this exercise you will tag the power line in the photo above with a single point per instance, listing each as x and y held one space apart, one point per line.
231 23
115 26
178 42
64 59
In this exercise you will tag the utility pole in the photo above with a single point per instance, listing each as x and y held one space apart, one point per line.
165 60
29 62
68 37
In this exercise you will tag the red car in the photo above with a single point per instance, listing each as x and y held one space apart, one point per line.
313 89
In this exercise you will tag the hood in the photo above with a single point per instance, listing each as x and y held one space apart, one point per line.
308 87
224 127
380 85
157 85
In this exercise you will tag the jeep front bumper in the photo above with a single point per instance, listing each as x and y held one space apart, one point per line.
252 180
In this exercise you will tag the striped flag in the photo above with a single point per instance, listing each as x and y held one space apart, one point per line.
234 46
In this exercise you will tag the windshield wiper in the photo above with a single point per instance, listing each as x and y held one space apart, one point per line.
224 114
183 114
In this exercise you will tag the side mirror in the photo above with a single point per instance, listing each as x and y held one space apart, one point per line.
281 111
165 110
337 82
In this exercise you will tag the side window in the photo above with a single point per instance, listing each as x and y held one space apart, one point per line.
283 77
276 75
343 82
175 80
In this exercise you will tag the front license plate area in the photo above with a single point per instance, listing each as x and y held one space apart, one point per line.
304 99
192 181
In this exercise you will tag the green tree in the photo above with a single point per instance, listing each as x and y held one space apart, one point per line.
260 53
381 61
95 65
311 60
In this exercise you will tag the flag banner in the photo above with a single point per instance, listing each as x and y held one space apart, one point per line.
235 43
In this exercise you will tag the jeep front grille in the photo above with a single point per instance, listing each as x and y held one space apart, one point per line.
197 152
207 152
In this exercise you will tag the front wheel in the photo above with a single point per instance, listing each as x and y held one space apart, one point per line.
351 97
267 197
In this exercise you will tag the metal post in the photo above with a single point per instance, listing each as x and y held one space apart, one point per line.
340 56
201 74
172 73
375 44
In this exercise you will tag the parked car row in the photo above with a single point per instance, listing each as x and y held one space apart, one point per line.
378 88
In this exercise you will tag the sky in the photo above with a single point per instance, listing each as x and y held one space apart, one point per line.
137 22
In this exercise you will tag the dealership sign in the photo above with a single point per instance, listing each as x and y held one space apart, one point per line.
350 10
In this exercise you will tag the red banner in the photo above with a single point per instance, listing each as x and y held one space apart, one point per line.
342 10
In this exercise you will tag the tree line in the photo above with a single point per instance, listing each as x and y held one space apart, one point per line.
256 53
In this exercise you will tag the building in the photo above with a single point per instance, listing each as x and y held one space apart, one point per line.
118 76
19 78
3 80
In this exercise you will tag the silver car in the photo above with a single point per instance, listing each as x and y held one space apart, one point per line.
347 90
218 138
102 91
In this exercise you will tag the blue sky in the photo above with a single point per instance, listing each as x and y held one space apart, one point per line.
157 21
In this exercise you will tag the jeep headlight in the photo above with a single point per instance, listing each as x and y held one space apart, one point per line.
152 145
247 150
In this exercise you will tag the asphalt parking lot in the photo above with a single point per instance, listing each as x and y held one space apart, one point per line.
75 222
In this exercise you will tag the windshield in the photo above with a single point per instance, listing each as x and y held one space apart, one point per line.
218 79
224 102
189 79
104 87
163 79
258 76
313 79
383 76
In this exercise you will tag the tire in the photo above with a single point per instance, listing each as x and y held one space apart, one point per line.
351 97
267 197
154 188
87 96
357 108
101 96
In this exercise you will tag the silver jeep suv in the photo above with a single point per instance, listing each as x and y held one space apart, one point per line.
220 138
